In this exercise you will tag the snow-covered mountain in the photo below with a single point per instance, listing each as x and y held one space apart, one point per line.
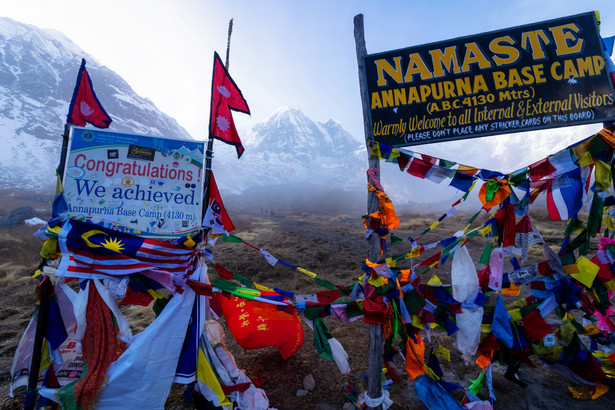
38 70
291 150
288 157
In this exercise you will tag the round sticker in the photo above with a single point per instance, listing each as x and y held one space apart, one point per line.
128 182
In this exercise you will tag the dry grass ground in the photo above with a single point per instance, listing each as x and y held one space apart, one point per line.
332 246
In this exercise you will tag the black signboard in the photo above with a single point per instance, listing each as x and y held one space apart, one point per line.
543 75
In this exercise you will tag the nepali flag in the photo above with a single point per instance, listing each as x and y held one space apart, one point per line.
216 218
225 96
565 196
84 106
91 251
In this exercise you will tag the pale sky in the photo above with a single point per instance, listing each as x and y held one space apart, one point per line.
283 53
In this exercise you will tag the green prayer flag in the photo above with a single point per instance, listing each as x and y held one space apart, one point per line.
484 258
414 301
321 339
595 215
325 284
574 225
231 239
243 280
224 284
491 188
597 146
519 178
477 384
446 164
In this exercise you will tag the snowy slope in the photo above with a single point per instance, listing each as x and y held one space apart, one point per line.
38 70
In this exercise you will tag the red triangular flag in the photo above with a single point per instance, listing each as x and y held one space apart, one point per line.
216 216
84 106
225 96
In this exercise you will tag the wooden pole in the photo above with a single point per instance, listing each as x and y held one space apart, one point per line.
209 153
37 348
374 385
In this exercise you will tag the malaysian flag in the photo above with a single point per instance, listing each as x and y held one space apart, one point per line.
90 251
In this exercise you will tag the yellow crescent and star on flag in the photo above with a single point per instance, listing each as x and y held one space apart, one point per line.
113 244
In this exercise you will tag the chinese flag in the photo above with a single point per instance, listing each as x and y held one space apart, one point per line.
225 96
84 106
258 324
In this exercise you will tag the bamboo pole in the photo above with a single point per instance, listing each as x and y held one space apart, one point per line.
374 385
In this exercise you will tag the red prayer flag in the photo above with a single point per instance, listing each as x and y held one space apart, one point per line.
225 96
255 325
541 169
84 106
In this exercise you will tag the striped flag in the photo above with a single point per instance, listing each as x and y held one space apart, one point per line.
565 196
91 251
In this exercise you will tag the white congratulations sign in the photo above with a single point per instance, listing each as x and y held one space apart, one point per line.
150 186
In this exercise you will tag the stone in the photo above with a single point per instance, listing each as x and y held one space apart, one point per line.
302 393
348 406
309 383
16 217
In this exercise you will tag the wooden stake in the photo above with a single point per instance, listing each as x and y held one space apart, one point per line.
374 385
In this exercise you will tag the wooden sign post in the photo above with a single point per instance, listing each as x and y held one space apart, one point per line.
376 342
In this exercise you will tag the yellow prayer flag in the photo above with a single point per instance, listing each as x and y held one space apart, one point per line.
205 375
307 272
49 248
435 281
486 230
376 150
515 314
581 149
431 373
262 287
592 330
608 221
394 153
485 328
433 225
603 175
377 281
587 271
189 243
155 294
416 322
586 160
443 353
